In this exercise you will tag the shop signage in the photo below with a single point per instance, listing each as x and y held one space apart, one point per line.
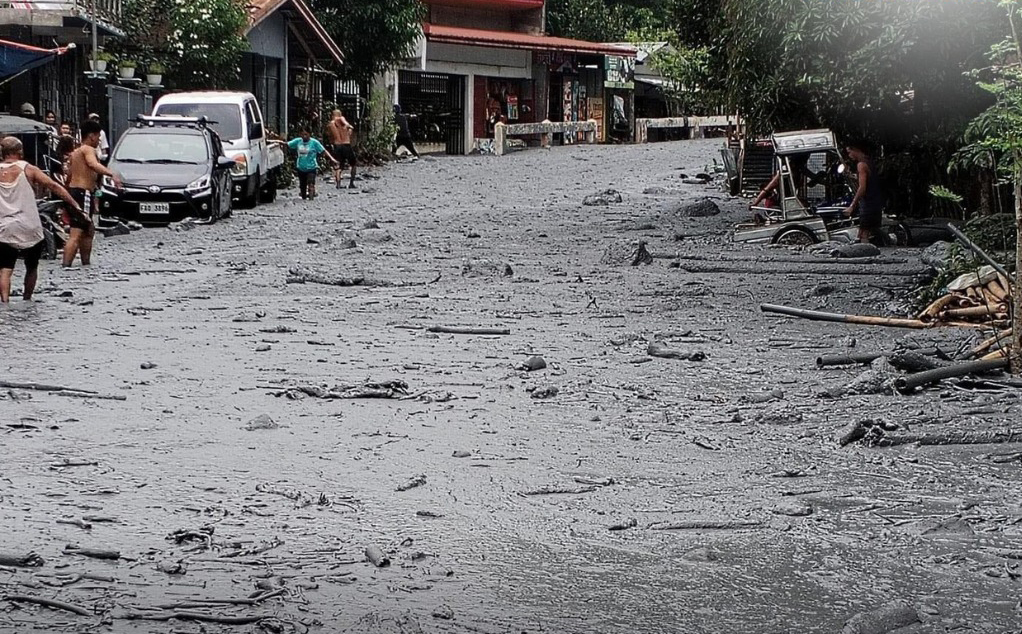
620 73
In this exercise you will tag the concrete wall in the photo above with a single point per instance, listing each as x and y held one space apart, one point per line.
491 62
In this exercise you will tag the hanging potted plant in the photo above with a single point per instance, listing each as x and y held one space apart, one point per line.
102 59
154 74
126 68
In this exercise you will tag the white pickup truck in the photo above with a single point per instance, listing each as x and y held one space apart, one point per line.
238 120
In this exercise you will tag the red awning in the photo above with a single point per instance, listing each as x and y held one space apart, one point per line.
521 41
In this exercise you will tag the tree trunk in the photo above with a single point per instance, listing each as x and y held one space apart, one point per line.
1016 318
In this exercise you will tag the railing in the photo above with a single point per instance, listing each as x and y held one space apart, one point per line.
694 124
501 131
105 10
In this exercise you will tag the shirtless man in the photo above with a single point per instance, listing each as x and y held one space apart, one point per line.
21 230
84 170
338 132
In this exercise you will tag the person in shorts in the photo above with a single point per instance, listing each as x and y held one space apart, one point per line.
339 134
308 150
869 196
83 172
21 229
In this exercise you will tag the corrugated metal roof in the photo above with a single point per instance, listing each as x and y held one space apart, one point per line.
259 10
522 41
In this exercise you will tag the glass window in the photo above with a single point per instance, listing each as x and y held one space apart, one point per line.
162 148
225 118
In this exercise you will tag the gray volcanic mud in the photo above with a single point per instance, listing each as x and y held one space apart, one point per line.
274 427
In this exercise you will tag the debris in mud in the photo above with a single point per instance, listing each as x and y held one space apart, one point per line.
385 389
48 603
885 619
482 267
184 225
469 330
700 555
203 535
661 351
532 364
793 508
626 253
694 525
560 490
278 330
878 436
764 397
443 612
301 498
855 250
548 391
937 255
92 553
302 275
376 556
602 199
262 421
28 560
822 290
954 525
780 415
263 347
703 208
170 567
417 481
853 432
429 514
631 522
60 390
461 453
147 366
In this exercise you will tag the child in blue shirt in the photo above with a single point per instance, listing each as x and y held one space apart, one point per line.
308 150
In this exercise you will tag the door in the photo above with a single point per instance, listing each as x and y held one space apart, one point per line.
258 143
435 105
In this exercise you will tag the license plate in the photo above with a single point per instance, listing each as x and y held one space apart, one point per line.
154 208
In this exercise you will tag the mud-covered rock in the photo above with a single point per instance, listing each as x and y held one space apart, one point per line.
602 199
482 267
780 414
626 253
937 255
878 379
703 208
883 620
792 508
261 422
856 250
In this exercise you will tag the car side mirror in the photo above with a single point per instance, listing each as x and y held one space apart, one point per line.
224 163
255 131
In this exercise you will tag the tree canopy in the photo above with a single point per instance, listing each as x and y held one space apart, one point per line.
373 34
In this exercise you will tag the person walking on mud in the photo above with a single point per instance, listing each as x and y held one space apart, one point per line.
404 135
21 229
339 134
869 196
84 170
308 150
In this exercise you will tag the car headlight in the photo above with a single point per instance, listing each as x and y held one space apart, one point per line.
240 167
198 184
108 183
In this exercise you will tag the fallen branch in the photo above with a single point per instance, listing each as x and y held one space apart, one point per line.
93 553
49 603
555 490
878 437
29 560
692 525
376 556
816 315
913 381
194 616
836 269
42 387
865 358
469 330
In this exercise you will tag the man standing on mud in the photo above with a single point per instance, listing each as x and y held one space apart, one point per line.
21 230
404 135
869 198
84 170
339 134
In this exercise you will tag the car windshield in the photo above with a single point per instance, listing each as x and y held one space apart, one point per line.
162 148
225 118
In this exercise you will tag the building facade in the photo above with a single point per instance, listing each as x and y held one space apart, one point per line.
480 62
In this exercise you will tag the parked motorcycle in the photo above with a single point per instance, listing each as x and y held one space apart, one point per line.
54 236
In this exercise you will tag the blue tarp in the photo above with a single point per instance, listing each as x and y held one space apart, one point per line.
17 58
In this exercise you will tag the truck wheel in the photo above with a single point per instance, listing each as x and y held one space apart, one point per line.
269 191
795 238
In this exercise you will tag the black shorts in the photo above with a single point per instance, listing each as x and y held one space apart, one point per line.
344 153
869 219
306 176
9 255
84 199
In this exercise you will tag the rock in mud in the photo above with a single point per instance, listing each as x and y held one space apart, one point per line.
946 526
879 379
172 567
119 229
443 612
376 556
602 199
147 366
545 392
764 397
376 236
185 225
481 267
627 253
700 555
699 209
937 255
857 250
533 363
417 481
793 508
461 453
885 619
822 290
780 415
262 421
631 522
654 191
